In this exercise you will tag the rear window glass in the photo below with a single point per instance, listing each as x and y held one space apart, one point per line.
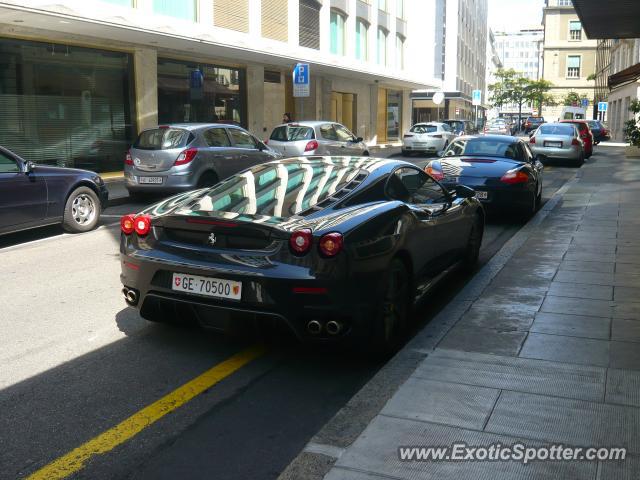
292 134
455 125
482 147
424 129
565 130
162 139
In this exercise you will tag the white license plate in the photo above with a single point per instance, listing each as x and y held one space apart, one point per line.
208 286
482 195
154 180
553 144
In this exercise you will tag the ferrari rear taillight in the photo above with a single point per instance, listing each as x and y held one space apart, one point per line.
434 169
331 244
186 156
127 223
128 160
513 177
300 241
311 146
142 225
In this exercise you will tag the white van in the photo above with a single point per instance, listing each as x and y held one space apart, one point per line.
573 113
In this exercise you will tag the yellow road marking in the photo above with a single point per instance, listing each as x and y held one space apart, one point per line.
108 440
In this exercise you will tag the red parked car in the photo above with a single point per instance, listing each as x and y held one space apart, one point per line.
585 134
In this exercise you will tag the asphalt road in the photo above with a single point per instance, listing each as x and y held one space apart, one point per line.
76 362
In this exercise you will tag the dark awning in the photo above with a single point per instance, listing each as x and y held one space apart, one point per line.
627 75
609 18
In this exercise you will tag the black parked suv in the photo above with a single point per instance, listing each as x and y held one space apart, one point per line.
532 123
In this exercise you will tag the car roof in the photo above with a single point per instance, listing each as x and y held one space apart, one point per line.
307 123
194 126
499 138
427 123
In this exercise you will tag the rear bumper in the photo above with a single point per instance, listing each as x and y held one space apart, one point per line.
268 299
172 181
572 153
503 198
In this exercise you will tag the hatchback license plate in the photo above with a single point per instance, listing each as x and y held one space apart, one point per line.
208 286
482 195
553 144
154 180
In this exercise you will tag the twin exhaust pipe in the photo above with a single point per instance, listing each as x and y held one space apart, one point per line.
333 327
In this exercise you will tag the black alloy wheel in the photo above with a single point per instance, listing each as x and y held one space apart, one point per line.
392 313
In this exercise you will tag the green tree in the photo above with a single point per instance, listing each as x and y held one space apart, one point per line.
511 88
573 99
539 94
632 127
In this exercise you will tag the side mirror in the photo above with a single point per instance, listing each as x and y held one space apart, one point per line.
357 139
28 167
462 191
440 153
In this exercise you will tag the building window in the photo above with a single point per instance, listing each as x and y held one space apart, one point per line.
382 5
362 44
573 66
399 52
196 92
275 19
309 24
400 8
575 30
185 10
232 14
337 43
74 108
382 47
565 3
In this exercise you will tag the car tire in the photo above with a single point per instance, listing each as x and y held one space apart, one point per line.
472 252
578 163
81 211
539 200
207 179
366 153
392 311
405 153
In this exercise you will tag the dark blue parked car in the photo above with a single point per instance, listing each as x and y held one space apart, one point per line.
36 195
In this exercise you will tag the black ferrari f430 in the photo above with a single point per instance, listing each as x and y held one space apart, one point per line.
333 247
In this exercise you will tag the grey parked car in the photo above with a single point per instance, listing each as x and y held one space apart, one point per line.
316 138
558 141
182 157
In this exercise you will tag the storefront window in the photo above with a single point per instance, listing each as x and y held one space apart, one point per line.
394 114
196 92
66 106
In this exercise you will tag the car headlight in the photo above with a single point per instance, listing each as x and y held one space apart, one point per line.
98 180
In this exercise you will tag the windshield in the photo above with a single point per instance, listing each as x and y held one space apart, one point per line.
424 129
564 130
292 133
455 125
162 139
482 146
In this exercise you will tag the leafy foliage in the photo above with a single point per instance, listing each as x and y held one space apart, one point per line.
573 99
511 88
632 127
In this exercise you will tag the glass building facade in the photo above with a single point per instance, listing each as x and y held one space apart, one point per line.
196 92
64 105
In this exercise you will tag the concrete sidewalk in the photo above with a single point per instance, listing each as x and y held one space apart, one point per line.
541 347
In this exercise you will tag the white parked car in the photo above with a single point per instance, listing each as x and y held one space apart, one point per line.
316 138
429 137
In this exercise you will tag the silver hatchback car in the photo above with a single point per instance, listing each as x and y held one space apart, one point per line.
558 141
181 157
316 138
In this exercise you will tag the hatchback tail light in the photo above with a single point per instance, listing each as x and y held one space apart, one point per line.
142 225
331 244
532 140
127 223
128 159
513 177
300 241
186 156
576 142
434 169
311 146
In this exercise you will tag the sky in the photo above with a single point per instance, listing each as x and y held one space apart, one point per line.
511 15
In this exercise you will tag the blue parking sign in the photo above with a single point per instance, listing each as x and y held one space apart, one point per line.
301 79
585 103
602 106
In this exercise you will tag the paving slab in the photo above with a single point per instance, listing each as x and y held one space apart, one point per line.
624 355
589 278
625 330
596 292
572 325
484 340
596 267
377 451
503 317
514 373
623 387
575 422
577 306
590 256
620 470
439 402
633 268
583 351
